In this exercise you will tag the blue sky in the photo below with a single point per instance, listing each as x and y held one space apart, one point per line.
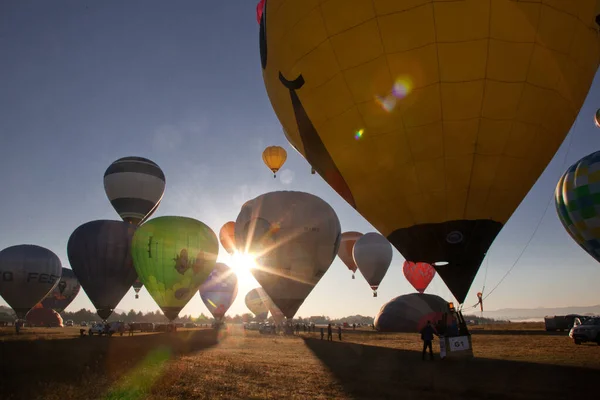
180 83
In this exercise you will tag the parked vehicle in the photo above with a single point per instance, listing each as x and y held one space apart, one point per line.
69 322
588 331
561 322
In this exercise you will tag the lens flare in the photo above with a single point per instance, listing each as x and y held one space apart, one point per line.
359 134
401 88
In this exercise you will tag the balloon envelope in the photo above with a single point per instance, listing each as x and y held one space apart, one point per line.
47 317
27 274
173 256
433 132
419 274
373 255
274 157
409 313
99 253
345 250
135 187
257 301
295 237
63 293
577 200
219 291
227 237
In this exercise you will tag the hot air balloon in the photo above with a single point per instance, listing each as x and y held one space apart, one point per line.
295 237
27 274
227 236
173 256
345 250
410 313
274 157
99 255
219 291
135 187
433 119
137 286
373 256
63 293
418 274
257 301
46 317
576 200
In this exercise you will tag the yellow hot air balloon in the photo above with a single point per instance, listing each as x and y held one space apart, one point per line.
432 118
274 158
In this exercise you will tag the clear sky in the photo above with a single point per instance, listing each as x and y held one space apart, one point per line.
86 82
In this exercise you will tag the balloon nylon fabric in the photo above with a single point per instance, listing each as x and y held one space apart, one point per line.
173 256
63 293
99 253
433 132
27 274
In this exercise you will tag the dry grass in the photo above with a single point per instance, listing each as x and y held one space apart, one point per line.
512 362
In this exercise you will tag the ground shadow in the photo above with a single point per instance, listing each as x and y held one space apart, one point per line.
380 373
26 365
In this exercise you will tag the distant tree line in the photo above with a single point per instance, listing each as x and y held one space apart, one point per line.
158 317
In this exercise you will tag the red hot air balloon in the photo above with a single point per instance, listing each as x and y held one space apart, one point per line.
418 274
259 10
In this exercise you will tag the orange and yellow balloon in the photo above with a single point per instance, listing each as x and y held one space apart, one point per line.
274 157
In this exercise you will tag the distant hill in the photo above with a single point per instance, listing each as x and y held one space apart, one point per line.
530 313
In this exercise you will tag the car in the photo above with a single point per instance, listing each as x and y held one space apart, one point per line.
69 322
588 331
83 323
109 328
97 329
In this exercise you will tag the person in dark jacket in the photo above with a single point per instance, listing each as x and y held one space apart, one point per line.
340 333
329 332
427 337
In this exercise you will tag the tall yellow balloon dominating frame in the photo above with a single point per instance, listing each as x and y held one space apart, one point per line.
432 118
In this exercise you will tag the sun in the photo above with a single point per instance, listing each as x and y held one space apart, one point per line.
242 264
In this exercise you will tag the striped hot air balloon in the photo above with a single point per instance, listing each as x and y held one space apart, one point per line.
135 187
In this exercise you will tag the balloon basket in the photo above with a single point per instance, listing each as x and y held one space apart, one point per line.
353 276
137 296
374 294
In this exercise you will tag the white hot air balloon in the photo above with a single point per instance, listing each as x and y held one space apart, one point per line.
295 237
27 274
373 256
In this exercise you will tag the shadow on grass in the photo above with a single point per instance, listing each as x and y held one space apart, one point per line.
516 332
381 373
131 362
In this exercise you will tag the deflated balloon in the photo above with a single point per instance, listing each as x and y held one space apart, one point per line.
99 253
63 293
418 274
373 255
173 256
295 237
577 200
433 119
227 236
345 250
410 313
220 290
135 187
27 274
257 301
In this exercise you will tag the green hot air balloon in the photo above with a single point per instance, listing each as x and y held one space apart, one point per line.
173 256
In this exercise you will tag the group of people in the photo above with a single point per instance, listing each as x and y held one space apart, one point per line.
330 332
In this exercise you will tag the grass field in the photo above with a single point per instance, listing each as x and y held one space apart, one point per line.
515 361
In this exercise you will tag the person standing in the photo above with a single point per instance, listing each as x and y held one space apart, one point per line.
322 333
427 337
340 333
329 333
